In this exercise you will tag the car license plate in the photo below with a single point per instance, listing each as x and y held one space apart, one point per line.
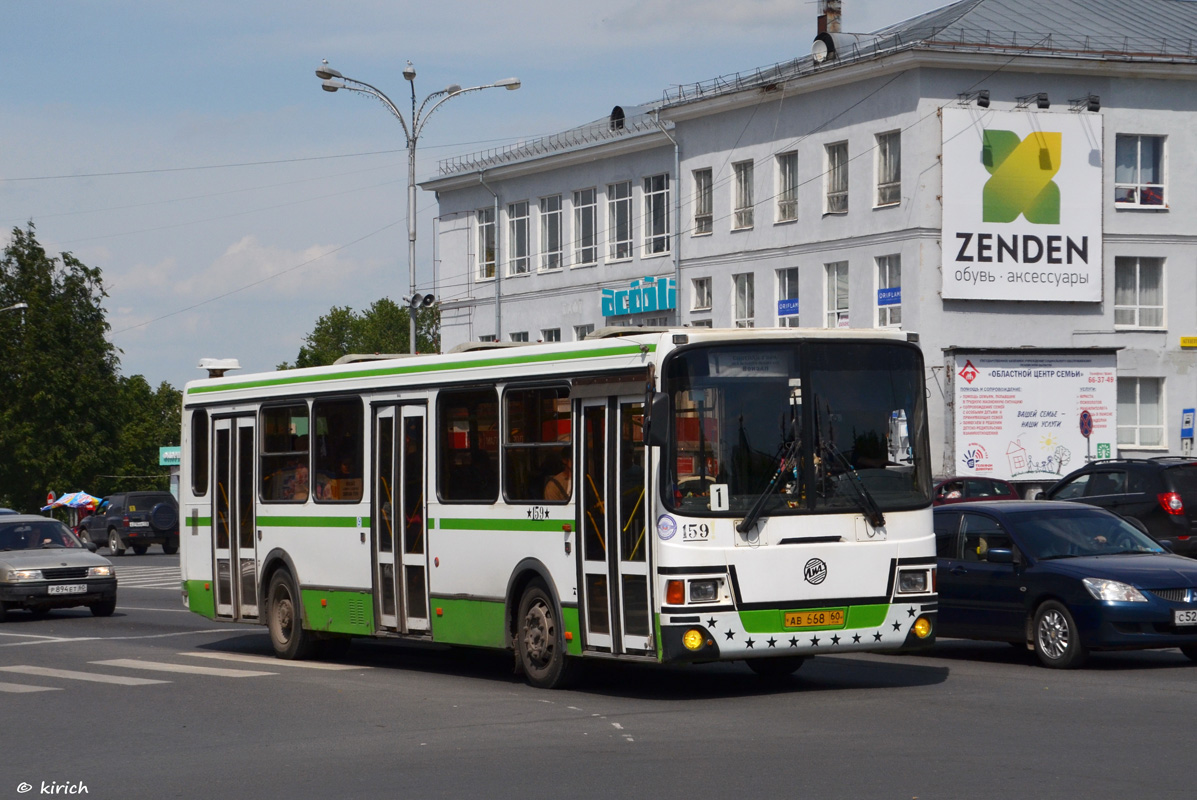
823 618
139 524
1186 617
67 588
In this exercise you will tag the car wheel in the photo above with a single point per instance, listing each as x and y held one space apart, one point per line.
540 640
285 619
776 669
170 548
139 549
104 608
115 545
85 537
1057 641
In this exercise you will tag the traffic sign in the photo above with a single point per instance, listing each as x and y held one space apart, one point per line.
1086 423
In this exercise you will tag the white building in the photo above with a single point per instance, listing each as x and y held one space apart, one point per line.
1004 178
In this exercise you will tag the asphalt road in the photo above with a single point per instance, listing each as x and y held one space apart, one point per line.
188 708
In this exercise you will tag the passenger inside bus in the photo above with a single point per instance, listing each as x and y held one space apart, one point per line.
559 486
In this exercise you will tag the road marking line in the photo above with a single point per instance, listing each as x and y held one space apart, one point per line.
272 661
48 672
72 640
191 669
21 688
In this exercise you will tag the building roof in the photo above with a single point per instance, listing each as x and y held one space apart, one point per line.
1115 30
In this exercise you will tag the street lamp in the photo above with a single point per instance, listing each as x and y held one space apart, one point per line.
15 307
334 80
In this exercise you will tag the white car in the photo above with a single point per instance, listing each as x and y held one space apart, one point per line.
44 566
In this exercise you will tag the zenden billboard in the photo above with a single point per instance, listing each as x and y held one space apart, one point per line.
1022 200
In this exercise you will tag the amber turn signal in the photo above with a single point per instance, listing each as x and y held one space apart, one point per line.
675 593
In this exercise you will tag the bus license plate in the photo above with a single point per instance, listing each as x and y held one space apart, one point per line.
67 588
826 618
1186 617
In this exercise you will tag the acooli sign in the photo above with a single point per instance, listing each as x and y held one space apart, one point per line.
1022 194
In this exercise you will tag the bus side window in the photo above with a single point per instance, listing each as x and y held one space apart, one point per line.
536 445
468 445
284 468
337 455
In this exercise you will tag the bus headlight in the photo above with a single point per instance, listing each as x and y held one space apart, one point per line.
693 639
911 581
922 627
704 591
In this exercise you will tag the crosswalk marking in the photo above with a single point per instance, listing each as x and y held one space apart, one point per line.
274 662
48 672
147 577
21 688
192 669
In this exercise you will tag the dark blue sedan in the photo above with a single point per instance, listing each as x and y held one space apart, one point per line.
1062 578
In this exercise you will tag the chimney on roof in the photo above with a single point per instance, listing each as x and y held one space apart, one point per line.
829 16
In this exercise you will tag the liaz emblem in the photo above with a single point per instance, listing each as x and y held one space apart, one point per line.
815 571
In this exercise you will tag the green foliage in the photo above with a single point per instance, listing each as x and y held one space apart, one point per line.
381 328
67 418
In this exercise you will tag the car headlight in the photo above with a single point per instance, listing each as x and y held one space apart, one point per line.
99 572
25 575
1103 589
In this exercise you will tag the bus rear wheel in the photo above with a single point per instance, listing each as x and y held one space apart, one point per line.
540 640
285 620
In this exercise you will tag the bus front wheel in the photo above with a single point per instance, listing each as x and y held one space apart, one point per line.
540 640
285 619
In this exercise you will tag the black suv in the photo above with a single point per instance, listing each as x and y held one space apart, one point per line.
1159 492
135 520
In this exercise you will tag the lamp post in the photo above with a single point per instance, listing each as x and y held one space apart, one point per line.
15 307
413 126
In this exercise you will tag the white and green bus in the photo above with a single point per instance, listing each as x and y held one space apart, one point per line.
684 495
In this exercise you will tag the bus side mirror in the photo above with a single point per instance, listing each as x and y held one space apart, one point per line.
658 421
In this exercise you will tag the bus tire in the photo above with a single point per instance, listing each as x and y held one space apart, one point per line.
285 619
540 639
774 669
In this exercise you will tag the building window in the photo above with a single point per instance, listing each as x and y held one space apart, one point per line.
702 294
656 215
519 336
656 322
550 335
742 208
701 323
889 169
1139 170
1138 292
582 331
704 201
745 302
517 238
585 227
837 294
889 290
550 232
619 220
486 243
1140 412
787 297
488 337
837 178
787 187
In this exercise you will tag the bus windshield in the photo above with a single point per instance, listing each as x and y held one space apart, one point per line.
793 428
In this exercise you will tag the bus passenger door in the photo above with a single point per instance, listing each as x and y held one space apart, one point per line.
400 540
234 518
613 520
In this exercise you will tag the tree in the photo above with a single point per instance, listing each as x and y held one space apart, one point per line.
382 328
150 418
59 403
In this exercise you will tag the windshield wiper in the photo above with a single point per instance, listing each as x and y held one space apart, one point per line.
788 455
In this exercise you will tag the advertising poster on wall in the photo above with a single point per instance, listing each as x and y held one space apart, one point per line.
1022 203
1019 417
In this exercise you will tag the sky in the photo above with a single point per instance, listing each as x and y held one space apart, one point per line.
188 151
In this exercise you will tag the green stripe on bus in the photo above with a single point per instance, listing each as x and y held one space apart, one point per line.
571 620
200 598
293 380
311 522
338 611
200 522
502 524
477 623
773 620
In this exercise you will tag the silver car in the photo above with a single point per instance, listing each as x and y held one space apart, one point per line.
43 566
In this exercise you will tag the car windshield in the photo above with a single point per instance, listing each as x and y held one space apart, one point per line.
798 427
1068 533
36 535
